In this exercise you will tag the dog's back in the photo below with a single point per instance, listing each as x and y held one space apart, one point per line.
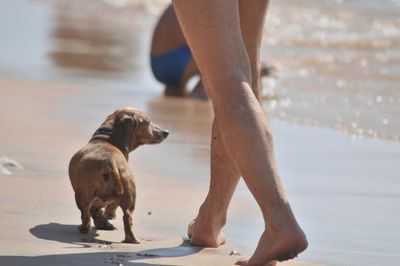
93 171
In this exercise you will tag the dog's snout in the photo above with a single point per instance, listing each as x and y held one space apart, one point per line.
164 133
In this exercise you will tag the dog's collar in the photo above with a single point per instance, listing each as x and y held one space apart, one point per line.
103 131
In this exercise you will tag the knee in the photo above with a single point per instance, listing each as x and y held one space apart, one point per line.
227 83
269 137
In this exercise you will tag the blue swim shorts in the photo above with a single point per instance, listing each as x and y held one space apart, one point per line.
168 67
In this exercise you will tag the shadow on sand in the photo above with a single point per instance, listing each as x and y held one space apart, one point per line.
66 233
69 234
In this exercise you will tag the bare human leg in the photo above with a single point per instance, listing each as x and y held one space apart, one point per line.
226 70
176 91
205 230
252 16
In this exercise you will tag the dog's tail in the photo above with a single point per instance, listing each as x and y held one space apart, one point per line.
114 172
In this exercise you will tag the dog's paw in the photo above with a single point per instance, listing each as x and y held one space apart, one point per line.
131 241
105 226
83 229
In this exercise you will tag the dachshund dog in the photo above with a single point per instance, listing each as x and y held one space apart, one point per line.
99 172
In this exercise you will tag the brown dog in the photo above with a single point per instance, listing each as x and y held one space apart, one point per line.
99 172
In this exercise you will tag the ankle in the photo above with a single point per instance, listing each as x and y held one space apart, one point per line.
174 91
281 220
212 217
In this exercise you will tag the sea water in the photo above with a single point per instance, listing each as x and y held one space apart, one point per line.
339 64
337 61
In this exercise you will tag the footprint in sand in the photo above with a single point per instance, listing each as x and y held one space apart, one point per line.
6 162
116 259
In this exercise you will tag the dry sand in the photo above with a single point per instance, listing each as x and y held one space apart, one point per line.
43 124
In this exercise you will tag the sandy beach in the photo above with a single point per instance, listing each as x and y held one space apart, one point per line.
45 127
343 188
350 218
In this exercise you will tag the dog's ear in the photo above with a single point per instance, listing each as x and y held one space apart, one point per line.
122 132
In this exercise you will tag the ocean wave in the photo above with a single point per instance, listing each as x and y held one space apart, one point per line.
339 65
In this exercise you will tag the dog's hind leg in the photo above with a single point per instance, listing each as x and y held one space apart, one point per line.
100 220
84 207
129 236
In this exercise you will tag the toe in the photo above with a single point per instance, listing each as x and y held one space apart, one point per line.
242 261
190 228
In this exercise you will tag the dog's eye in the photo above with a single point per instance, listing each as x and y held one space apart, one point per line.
106 177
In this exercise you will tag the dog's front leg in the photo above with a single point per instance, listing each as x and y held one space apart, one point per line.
100 220
129 236
110 210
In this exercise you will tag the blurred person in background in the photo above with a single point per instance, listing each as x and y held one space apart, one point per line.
172 62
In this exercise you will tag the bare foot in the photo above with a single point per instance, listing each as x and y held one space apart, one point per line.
268 70
174 91
244 261
279 246
204 235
